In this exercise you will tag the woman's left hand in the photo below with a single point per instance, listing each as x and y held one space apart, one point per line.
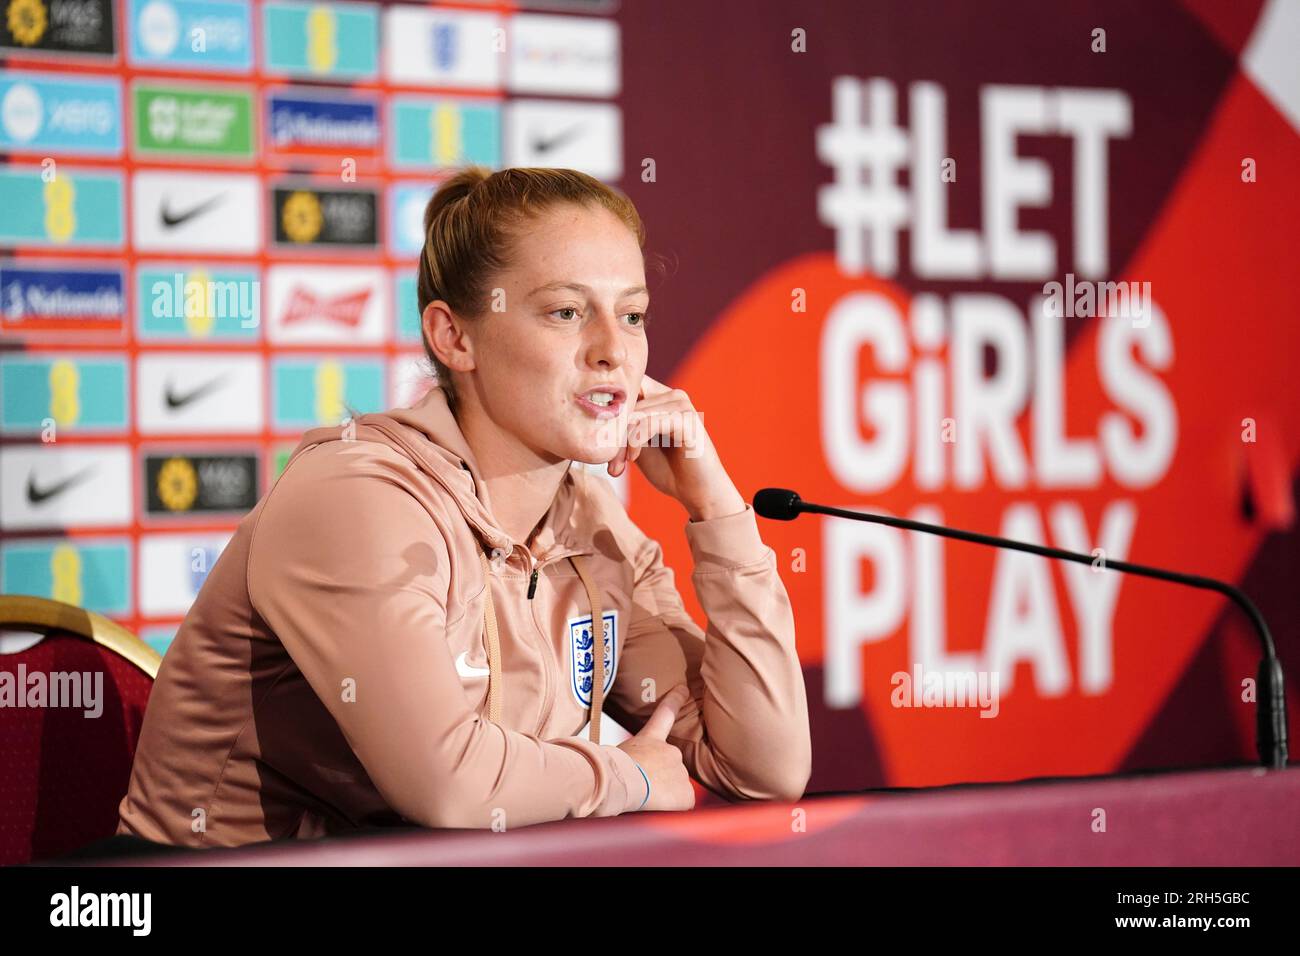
667 440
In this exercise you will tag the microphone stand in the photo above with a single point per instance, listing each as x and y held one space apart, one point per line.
1270 716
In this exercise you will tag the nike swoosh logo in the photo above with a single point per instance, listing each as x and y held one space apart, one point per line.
464 670
543 144
171 220
37 495
176 399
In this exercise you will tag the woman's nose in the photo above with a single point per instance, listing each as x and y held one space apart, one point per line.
605 345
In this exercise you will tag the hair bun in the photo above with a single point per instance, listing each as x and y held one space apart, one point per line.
452 190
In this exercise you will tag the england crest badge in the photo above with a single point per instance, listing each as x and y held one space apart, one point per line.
582 659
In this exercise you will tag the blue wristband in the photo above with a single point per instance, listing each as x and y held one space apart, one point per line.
647 785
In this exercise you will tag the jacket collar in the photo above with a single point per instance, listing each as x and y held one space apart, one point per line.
428 432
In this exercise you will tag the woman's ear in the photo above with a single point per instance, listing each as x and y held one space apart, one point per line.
447 336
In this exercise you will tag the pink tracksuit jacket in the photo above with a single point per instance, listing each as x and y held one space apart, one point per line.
336 669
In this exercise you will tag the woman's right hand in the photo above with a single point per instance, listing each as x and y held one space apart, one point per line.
670 784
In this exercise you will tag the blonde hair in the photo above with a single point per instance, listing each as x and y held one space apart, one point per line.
469 225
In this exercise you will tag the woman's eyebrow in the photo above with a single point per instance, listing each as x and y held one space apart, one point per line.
579 287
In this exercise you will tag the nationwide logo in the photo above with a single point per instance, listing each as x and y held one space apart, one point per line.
307 124
58 26
325 217
55 115
203 484
55 298
193 122
346 309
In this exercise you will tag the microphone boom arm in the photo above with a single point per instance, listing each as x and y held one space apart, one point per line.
1270 723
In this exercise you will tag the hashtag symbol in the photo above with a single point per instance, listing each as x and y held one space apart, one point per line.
866 153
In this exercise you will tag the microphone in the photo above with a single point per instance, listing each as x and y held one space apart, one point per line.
782 504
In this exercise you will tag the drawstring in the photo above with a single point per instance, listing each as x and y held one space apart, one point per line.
598 645
493 646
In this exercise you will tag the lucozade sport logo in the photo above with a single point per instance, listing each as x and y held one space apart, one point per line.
1094 412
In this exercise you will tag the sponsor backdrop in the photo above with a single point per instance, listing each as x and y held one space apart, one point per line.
211 222
1020 268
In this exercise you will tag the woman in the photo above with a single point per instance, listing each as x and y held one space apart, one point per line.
401 631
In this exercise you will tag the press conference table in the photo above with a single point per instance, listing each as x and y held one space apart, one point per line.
1241 816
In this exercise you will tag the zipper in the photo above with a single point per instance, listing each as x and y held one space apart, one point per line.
543 646
550 669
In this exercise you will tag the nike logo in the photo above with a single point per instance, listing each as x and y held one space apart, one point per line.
37 495
464 670
543 144
177 400
171 220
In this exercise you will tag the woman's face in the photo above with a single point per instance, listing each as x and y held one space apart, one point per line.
573 322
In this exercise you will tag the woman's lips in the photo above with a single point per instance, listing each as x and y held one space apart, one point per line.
601 411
